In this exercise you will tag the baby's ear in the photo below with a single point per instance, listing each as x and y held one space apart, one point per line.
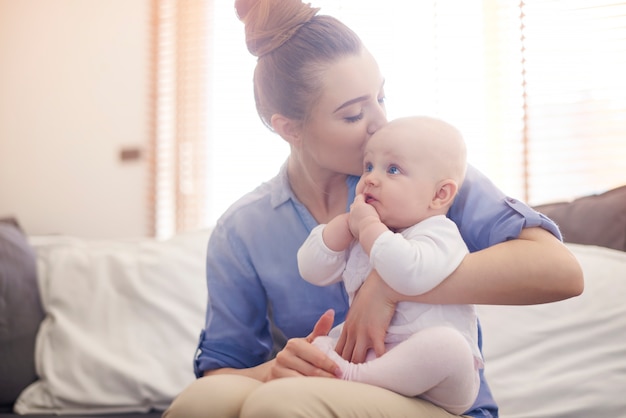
444 194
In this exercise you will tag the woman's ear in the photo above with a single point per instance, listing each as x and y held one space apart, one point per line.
444 194
287 128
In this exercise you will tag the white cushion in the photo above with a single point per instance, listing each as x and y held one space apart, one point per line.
563 359
121 326
123 317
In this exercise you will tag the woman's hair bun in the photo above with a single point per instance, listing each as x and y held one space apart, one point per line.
242 7
270 23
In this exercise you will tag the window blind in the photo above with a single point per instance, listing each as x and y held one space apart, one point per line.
536 87
574 61
180 69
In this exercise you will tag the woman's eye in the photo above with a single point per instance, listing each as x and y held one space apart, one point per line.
355 118
393 170
381 100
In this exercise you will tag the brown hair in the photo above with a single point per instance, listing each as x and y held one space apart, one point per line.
293 45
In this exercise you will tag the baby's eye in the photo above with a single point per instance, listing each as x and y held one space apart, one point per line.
393 170
368 167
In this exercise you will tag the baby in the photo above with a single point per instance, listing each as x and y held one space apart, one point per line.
397 225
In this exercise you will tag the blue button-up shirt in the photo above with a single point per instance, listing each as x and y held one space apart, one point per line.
252 269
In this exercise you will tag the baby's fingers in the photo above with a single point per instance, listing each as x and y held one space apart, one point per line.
359 198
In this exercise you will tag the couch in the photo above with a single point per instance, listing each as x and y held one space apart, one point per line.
109 327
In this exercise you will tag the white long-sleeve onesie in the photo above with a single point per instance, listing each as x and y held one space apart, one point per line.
411 262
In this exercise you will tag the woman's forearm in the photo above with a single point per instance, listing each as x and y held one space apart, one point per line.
535 268
298 358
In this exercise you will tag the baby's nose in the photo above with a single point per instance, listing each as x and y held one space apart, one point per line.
370 178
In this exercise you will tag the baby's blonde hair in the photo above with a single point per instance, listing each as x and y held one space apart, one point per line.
442 145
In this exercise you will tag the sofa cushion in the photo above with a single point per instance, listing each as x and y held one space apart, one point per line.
122 323
563 359
20 312
596 219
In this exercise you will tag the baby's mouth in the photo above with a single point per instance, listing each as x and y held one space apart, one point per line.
369 198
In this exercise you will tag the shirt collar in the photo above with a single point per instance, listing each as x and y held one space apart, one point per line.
280 189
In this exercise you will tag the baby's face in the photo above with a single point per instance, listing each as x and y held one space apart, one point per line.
397 179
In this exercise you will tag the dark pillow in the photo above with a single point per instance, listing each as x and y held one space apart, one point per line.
20 312
594 220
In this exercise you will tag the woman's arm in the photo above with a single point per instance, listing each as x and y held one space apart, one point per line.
535 268
298 358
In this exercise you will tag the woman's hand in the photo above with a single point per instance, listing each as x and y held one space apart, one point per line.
367 321
301 358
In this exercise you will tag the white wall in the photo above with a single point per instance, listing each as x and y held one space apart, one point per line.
73 93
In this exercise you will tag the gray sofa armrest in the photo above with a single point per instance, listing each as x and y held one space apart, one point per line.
20 312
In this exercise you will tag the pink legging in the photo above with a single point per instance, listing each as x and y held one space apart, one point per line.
435 364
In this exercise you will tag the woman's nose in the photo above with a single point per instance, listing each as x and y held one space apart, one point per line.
379 118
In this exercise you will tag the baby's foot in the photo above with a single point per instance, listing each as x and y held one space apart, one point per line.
327 345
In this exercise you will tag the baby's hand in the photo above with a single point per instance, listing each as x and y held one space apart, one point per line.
361 214
360 186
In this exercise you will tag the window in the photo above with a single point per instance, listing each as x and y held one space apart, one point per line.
242 151
575 97
536 87
178 152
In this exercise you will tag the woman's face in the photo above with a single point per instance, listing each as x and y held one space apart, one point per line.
350 109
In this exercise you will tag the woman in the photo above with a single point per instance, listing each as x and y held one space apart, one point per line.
318 87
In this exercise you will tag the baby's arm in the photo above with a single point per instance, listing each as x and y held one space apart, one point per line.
417 263
336 234
322 262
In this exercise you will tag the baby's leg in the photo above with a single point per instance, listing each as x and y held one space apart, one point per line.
436 364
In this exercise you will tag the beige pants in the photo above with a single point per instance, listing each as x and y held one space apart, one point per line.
311 397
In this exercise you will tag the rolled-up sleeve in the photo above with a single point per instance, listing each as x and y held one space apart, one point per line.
485 216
